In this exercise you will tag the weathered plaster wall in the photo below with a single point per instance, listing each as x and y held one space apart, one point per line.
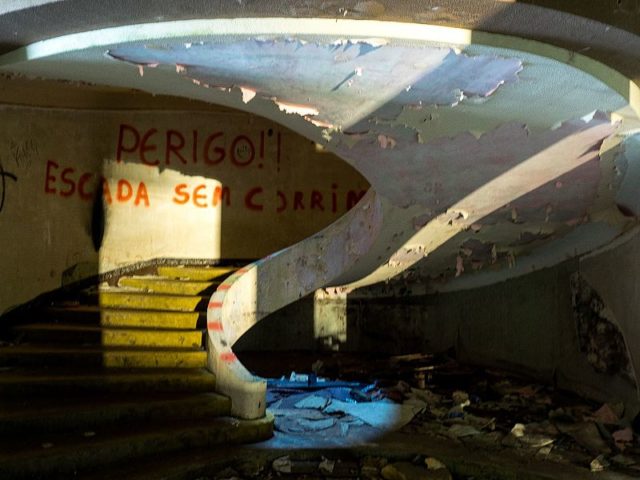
527 324
615 275
412 111
177 183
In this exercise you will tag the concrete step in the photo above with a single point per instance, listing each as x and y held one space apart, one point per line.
68 455
114 357
192 464
106 317
170 286
82 414
196 273
148 301
107 337
62 383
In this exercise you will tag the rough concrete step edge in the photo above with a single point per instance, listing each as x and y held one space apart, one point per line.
195 273
70 459
65 333
114 357
71 327
58 382
124 317
56 349
159 285
86 413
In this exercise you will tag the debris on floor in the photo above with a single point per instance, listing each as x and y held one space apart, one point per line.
437 397
288 466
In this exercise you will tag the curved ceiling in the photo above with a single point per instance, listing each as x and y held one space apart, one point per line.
491 161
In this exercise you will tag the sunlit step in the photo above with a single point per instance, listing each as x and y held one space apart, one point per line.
112 357
93 315
83 379
195 273
109 337
150 301
165 285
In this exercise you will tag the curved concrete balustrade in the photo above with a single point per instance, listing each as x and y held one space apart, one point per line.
257 290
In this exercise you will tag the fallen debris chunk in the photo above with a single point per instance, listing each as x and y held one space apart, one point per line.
315 425
459 431
606 414
587 435
433 463
518 430
326 466
623 460
409 471
623 437
426 396
371 467
460 398
599 464
313 401
282 464
382 415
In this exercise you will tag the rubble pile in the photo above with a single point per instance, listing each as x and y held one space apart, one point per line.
477 408
370 467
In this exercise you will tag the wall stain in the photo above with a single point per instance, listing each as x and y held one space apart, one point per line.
3 184
598 336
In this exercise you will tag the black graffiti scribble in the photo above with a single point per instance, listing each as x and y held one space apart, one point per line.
3 184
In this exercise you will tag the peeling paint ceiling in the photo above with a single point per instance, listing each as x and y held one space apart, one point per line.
485 156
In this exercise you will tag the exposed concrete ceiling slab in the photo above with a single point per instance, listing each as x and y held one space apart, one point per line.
438 124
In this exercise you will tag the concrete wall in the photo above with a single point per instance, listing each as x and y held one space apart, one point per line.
177 181
528 324
615 274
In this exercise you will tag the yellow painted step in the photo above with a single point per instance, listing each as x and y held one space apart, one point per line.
105 317
154 359
43 416
164 285
75 456
114 357
65 382
149 301
109 337
195 273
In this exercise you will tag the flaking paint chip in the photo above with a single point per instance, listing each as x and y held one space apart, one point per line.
247 94
386 141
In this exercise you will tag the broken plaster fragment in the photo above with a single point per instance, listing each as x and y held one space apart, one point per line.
459 266
386 141
373 42
247 94
514 215
319 123
599 464
180 68
299 109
